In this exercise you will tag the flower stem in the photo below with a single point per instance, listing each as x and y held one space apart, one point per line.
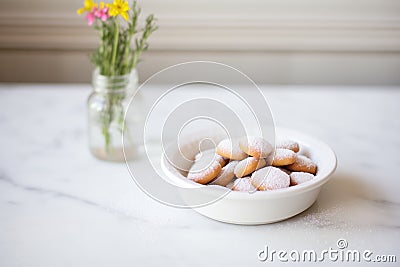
101 48
115 48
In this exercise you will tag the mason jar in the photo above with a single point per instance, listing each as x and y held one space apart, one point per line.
107 123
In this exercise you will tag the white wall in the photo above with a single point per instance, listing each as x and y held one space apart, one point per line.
273 41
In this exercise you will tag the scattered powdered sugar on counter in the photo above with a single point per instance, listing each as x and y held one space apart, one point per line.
320 219
317 218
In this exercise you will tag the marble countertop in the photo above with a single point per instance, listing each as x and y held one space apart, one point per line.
59 206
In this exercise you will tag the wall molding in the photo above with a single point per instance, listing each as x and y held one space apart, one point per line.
273 41
52 32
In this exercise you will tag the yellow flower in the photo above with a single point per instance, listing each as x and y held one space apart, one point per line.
88 6
119 7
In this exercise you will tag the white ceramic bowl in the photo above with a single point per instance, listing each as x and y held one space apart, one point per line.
261 207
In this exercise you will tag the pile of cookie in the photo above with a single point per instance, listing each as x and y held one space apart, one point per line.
251 163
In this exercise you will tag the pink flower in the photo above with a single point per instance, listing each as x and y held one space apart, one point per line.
90 16
101 12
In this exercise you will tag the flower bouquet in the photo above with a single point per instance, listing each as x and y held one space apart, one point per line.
121 45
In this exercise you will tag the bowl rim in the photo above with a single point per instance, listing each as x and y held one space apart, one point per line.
292 190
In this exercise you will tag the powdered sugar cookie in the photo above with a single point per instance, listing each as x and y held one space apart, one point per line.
288 144
243 184
248 165
281 157
285 170
205 168
302 164
270 178
209 155
226 175
300 177
230 149
254 146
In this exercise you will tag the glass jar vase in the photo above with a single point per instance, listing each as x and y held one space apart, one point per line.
107 122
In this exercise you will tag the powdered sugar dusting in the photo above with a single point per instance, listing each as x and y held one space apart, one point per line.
303 160
281 154
261 164
284 170
320 217
288 144
205 165
243 184
226 175
300 177
246 166
255 145
196 173
303 164
270 178
230 148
